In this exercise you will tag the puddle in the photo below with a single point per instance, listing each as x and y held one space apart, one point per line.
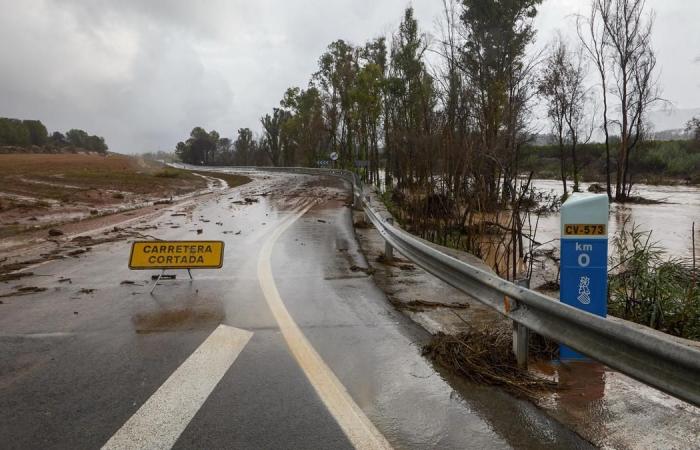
612 410
176 319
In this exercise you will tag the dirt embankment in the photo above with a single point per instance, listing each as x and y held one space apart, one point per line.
38 191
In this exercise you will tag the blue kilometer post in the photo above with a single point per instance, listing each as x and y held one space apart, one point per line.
584 258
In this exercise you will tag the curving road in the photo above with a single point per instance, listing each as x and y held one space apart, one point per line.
289 345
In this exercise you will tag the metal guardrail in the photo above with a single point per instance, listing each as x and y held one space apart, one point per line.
647 356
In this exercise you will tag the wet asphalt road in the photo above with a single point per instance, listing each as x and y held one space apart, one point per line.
75 367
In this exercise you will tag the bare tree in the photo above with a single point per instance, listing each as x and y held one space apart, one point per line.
575 111
591 32
619 42
562 84
553 87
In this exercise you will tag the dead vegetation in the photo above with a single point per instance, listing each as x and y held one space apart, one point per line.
366 270
23 290
362 224
423 305
485 357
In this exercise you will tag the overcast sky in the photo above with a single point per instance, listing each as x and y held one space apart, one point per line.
142 73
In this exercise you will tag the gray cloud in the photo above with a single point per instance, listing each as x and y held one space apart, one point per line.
143 73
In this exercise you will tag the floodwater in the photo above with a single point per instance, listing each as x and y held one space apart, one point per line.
670 222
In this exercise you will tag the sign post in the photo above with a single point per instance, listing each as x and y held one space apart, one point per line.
163 255
584 257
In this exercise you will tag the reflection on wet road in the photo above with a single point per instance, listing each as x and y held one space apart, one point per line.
77 367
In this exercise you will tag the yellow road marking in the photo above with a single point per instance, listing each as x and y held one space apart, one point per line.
352 420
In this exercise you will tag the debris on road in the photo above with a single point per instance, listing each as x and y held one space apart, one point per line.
14 276
200 231
164 277
486 357
26 290
80 251
86 291
54 232
65 280
367 270
320 220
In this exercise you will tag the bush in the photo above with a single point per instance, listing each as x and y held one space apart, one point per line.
167 173
647 288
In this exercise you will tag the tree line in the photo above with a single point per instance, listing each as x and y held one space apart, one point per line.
209 148
443 122
457 121
27 133
655 161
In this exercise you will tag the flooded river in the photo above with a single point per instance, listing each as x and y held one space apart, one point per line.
670 222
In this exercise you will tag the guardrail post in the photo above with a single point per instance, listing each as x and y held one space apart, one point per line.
521 335
356 199
388 249
364 212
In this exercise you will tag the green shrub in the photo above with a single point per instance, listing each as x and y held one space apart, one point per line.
168 173
647 288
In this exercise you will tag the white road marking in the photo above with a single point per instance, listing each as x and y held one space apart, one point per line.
352 420
160 421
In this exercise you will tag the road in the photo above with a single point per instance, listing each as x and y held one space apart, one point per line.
289 345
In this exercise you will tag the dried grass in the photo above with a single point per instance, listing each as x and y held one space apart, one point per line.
486 357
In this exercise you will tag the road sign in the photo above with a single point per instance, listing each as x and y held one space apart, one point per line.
164 255
334 156
584 257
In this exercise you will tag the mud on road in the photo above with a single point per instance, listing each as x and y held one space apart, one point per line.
41 191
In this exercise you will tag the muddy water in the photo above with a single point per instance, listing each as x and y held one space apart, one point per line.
670 222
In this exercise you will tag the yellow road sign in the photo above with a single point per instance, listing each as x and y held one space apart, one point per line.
176 255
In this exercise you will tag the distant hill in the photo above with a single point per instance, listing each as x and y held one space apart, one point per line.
666 126
671 135
674 119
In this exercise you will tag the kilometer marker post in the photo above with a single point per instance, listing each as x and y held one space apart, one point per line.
584 258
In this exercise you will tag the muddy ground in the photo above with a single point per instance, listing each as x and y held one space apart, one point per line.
39 192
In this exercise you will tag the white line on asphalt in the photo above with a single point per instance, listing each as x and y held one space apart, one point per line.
352 420
160 421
